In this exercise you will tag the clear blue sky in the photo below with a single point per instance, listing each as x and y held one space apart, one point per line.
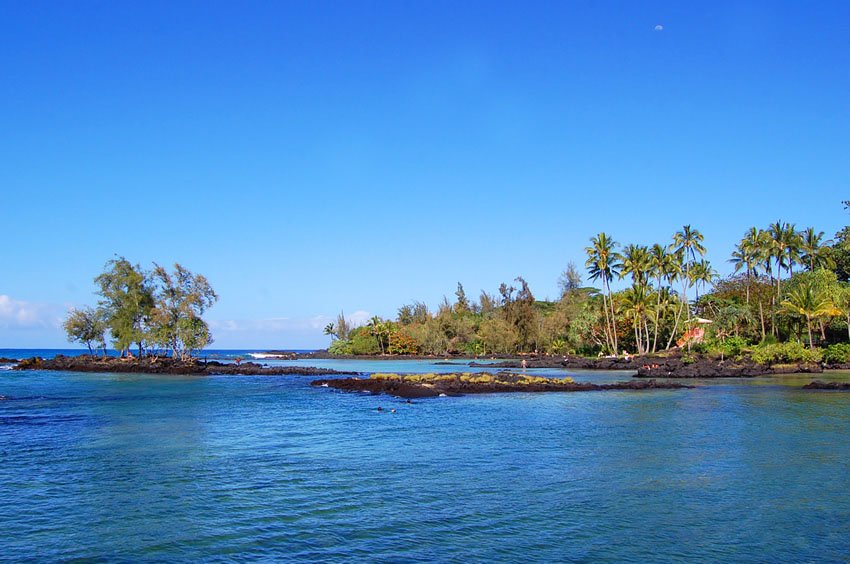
315 156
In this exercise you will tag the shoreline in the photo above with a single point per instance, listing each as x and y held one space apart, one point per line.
674 365
153 365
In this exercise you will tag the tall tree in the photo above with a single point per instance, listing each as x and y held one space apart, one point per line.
746 256
86 326
661 268
570 279
127 300
809 301
462 303
687 244
815 250
603 263
181 298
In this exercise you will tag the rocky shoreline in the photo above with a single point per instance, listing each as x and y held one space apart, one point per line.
153 365
669 364
674 365
460 384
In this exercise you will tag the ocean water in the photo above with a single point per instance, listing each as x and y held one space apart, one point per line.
143 467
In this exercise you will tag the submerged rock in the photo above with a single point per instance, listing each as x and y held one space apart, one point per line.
433 385
819 385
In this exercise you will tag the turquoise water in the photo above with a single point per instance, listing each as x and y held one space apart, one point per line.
129 467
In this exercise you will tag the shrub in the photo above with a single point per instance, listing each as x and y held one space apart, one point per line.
733 346
838 353
401 343
340 346
785 352
769 340
364 343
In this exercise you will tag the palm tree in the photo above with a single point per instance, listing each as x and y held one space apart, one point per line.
785 243
376 327
636 305
637 262
746 256
809 301
687 244
676 272
703 275
603 263
661 265
815 250
330 330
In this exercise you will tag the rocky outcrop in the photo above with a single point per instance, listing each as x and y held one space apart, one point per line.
153 365
680 367
818 385
455 384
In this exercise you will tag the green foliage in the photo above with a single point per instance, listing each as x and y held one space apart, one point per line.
158 309
733 346
363 342
793 351
127 300
838 353
784 288
469 378
86 326
180 299
768 340
341 347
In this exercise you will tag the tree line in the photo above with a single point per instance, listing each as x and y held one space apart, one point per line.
158 311
787 285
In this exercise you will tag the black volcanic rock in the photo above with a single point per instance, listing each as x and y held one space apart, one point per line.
454 384
818 385
153 365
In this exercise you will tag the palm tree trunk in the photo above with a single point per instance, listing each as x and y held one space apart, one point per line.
608 340
675 328
687 307
613 318
809 327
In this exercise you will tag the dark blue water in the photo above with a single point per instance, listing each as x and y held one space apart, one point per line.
129 467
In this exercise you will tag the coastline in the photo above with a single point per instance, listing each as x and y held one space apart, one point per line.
153 365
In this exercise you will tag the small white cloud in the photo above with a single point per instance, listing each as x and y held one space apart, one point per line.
659 27
18 313
359 317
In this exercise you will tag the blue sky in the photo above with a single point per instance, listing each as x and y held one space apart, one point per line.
312 157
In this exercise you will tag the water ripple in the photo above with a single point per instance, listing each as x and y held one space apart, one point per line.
221 469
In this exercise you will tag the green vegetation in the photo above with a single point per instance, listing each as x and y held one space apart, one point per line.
839 353
157 310
793 351
469 378
789 288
